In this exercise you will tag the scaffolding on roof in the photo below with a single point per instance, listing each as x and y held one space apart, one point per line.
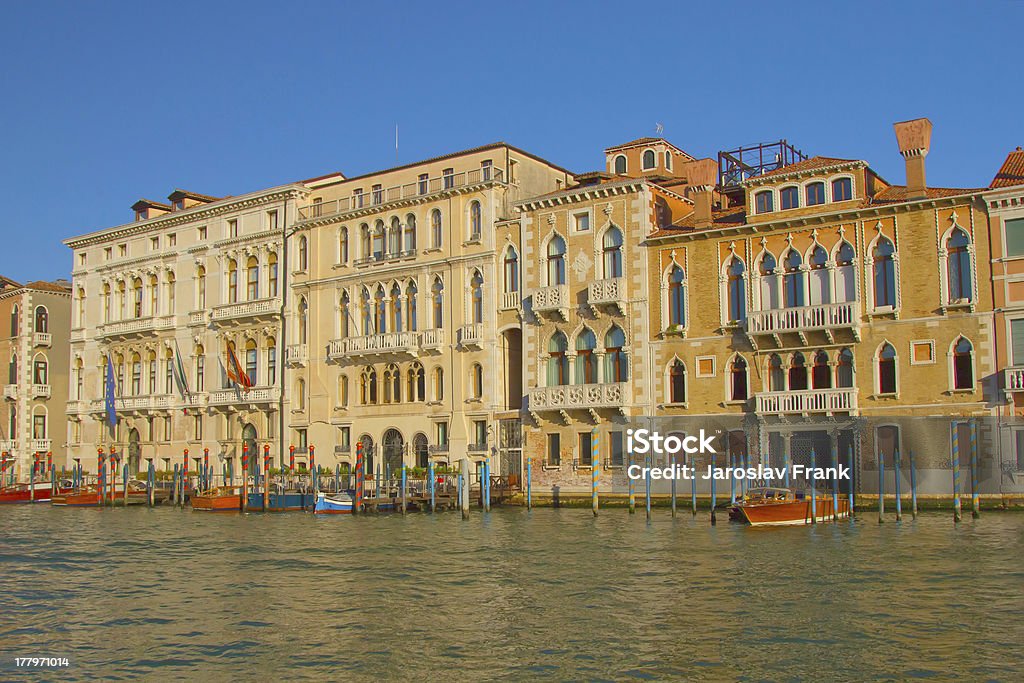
736 165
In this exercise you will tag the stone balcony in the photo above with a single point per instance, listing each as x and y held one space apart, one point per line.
553 299
589 397
607 292
124 329
826 318
470 335
258 309
1013 380
40 445
255 395
8 445
42 339
296 355
509 301
818 401
383 345
11 392
432 340
40 391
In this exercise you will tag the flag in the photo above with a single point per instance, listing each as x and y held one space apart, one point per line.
180 378
235 372
109 398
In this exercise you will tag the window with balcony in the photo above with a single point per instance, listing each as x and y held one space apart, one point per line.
42 321
80 308
154 295
963 364
475 221
793 280
485 169
410 306
738 385
271 361
272 274
435 229
200 368
736 290
615 355
394 237
844 369
168 373
437 298
368 386
476 294
798 372
232 281
846 273
252 279
820 280
611 253
776 375
821 371
815 193
303 321
423 183
676 297
677 382
79 380
39 370
377 192
768 282
554 450
136 386
958 267
200 288
763 202
558 361
885 364
171 282
789 198
137 298
380 310
378 240
39 423
358 198
556 261
448 176
586 361
511 270
884 273
251 361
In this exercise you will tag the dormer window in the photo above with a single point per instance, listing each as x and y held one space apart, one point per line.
668 160
141 214
620 164
178 205
815 194
789 198
649 160
842 190
763 202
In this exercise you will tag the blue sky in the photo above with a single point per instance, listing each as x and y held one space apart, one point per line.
108 102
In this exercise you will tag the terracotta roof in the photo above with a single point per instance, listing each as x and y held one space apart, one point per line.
805 165
634 143
42 285
734 215
149 203
179 194
1012 170
894 194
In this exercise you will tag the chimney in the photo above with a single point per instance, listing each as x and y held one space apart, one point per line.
914 138
701 176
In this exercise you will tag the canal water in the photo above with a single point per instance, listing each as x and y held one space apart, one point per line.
511 595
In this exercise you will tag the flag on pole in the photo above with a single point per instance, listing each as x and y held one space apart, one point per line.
180 378
235 372
109 398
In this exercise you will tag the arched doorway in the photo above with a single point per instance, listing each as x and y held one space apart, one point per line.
134 450
249 438
419 447
368 454
394 449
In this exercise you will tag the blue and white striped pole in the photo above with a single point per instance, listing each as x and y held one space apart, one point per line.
853 467
433 497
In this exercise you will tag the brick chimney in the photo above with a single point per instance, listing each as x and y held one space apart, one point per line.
701 176
914 138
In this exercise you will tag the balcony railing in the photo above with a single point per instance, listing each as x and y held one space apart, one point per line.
78 334
11 391
812 401
578 396
438 449
148 402
509 301
385 257
1014 379
471 334
477 448
608 291
247 309
40 445
374 344
197 318
387 195
296 354
225 397
8 445
803 319
124 328
554 298
342 449
40 391
42 339
432 339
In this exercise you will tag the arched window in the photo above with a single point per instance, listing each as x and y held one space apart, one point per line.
415 386
303 320
842 189
136 387
271 361
798 372
343 391
958 266
677 382
421 450
395 237
793 280
80 377
476 381
963 364
884 275
12 369
392 384
410 234
476 289
303 253
620 164
272 274
154 295
14 317
821 373
676 297
122 301
475 221
738 379
437 296
300 394
40 367
435 229
344 313
763 202
105 304
201 288
769 282
789 198
137 298
556 261
438 380
368 386
649 160
252 279
668 160
251 361
39 430
364 241
343 245
887 369
232 281
80 311
820 282
815 194
199 370
511 270
378 240
367 310
737 290
615 355
170 292
396 308
776 375
586 363
612 253
410 306
846 273
380 311
844 369
42 323
558 361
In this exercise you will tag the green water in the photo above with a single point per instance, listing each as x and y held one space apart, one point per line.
511 595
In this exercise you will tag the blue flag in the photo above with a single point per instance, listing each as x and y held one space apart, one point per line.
109 390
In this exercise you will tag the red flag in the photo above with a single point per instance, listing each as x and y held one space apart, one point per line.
235 372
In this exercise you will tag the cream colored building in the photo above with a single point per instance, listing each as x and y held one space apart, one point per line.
34 352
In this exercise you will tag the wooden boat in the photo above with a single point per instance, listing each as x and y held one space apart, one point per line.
287 501
341 503
771 506
220 499
137 494
40 492
87 496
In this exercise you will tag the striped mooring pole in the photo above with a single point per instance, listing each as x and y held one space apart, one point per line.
314 474
266 477
206 467
101 476
896 471
529 481
245 476
184 478
433 486
975 497
595 469
485 485
956 472
358 503
151 482
404 480
913 487
291 459
834 461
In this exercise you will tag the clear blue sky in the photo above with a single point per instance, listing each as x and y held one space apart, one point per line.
107 102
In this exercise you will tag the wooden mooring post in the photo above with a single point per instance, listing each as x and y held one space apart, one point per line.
896 471
975 493
464 488
956 473
913 486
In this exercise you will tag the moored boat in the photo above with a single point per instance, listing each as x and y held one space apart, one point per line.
341 503
772 506
40 492
220 499
87 496
286 501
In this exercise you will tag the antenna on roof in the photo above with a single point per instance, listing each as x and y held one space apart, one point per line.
659 128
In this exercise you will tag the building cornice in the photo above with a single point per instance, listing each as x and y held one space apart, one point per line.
578 194
757 181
